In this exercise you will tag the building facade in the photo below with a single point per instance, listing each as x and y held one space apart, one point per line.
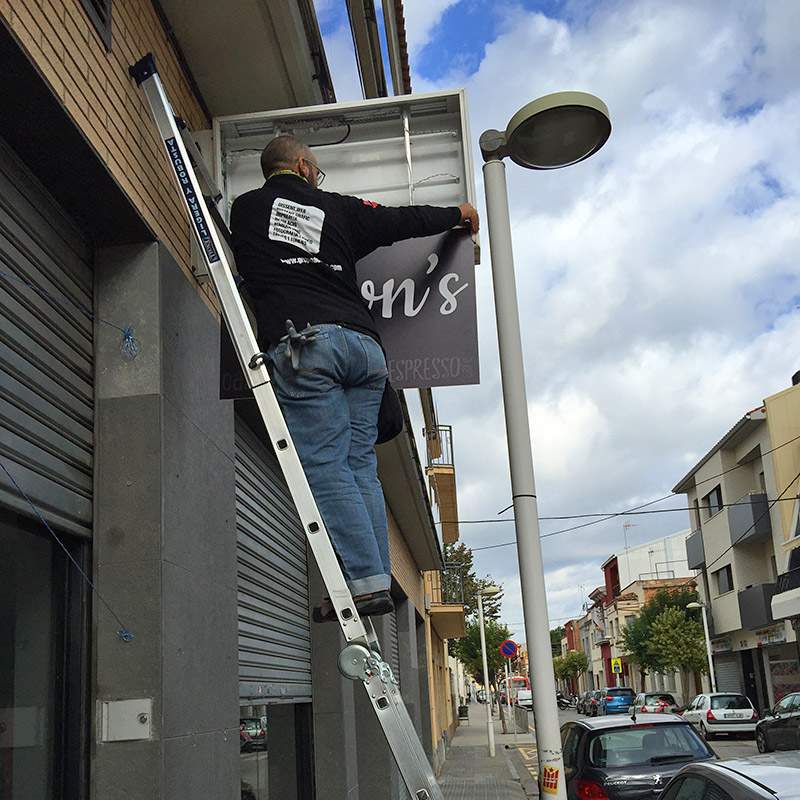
741 520
132 468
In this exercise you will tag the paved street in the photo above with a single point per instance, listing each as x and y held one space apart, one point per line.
724 747
470 774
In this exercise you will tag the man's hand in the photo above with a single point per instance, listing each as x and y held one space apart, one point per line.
469 217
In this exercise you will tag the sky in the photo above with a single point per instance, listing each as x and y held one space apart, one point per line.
658 281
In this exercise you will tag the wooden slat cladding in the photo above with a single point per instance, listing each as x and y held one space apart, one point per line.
96 90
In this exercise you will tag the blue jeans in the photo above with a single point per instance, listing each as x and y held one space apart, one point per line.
331 406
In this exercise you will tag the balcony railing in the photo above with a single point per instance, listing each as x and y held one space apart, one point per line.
447 586
748 520
695 552
755 605
788 581
440 446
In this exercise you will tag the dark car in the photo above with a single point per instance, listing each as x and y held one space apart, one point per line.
769 777
592 707
780 727
617 699
619 759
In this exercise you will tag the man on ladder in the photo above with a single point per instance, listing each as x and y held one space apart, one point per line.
296 247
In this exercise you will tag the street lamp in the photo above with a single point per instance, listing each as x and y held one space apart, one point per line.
711 674
554 131
488 591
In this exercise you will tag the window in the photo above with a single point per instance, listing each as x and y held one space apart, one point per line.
645 745
43 601
570 739
784 705
99 12
724 579
712 502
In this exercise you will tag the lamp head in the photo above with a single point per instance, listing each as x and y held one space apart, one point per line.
490 591
694 606
556 130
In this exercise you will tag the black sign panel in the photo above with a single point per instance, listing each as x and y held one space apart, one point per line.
422 295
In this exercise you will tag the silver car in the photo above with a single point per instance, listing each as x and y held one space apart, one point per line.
722 712
654 703
767 777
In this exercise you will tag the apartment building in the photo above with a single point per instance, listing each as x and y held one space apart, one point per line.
660 562
741 495
168 497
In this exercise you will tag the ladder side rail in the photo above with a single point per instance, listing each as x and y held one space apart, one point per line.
253 364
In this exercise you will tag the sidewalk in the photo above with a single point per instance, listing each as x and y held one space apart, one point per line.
469 773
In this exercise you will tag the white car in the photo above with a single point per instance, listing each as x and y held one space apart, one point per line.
524 698
722 712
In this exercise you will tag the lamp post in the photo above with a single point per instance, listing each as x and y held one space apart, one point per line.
554 131
702 607
487 591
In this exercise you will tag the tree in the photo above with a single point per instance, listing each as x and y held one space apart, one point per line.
637 634
575 662
467 649
459 553
678 643
556 635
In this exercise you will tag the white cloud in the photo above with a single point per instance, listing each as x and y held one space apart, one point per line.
658 281
421 17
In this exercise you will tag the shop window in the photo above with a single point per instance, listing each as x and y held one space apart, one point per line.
42 705
99 12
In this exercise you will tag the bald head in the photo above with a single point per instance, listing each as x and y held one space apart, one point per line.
283 152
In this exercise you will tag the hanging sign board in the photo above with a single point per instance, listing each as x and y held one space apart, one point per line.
408 150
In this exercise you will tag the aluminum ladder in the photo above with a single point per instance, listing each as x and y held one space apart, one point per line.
361 658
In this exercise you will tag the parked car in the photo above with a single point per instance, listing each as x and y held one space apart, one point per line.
580 704
770 777
780 728
592 707
245 742
524 698
616 758
617 699
722 713
654 703
256 729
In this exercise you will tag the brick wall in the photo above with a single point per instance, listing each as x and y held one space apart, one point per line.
404 569
97 92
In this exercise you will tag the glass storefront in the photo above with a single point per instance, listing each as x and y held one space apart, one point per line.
41 672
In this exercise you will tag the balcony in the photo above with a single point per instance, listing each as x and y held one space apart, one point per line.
441 474
695 552
748 520
447 601
755 605
786 600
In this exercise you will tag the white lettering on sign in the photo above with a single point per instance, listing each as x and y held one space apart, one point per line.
408 288
296 224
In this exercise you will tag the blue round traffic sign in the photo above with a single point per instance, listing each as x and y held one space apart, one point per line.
508 648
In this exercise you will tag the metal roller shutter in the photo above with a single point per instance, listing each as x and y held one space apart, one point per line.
46 389
728 674
274 628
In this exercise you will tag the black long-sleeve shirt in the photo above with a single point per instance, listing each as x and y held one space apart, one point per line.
296 248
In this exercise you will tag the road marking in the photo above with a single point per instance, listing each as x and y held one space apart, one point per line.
528 753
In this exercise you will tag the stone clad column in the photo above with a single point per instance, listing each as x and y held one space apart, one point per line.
165 536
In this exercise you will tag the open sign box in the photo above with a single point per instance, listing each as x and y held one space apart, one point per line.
407 150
